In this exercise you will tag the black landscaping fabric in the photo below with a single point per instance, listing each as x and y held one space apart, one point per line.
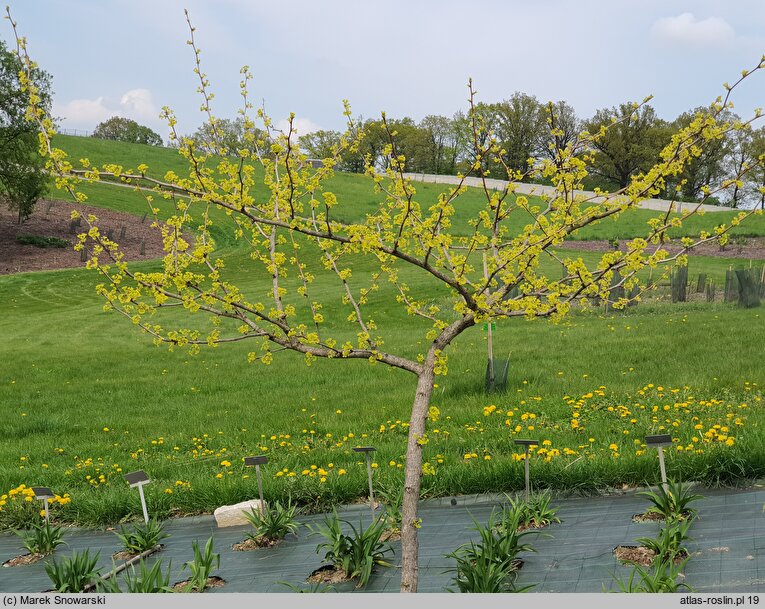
727 547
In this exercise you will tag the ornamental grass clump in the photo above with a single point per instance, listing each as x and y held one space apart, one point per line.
142 537
140 580
533 512
42 538
272 525
355 554
203 564
672 503
77 573
661 576
491 564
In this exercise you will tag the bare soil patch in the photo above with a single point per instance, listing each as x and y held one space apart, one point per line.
212 582
23 559
754 248
52 219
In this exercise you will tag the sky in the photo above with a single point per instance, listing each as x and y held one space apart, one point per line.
407 58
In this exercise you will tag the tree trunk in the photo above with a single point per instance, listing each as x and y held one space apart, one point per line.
413 477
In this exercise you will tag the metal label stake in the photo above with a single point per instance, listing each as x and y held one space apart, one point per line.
139 479
43 493
257 461
660 441
527 444
368 450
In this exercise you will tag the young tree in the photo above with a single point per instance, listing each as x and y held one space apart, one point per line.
126 130
22 171
295 234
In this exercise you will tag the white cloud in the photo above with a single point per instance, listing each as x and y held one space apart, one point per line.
686 29
137 104
303 126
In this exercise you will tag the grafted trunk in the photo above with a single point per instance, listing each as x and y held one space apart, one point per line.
413 477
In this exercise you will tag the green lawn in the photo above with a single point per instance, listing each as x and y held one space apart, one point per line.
86 397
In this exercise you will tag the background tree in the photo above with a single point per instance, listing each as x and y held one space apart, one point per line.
439 143
320 144
520 125
631 141
561 130
740 155
756 177
23 180
435 272
708 167
126 130
226 136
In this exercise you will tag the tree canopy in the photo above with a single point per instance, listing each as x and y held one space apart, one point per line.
23 179
126 130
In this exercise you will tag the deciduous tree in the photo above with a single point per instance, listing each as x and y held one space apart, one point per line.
22 171
295 235
126 130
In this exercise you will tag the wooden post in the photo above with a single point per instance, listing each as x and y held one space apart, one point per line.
488 328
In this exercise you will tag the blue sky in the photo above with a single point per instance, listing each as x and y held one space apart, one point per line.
129 57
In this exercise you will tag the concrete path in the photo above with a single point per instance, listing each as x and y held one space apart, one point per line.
539 190
727 547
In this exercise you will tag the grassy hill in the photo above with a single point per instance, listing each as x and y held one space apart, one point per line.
356 196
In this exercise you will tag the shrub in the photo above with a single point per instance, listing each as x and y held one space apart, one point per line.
74 574
143 537
356 554
38 241
42 538
273 524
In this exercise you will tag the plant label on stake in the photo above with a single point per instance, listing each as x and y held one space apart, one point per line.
527 444
257 461
43 493
368 450
139 479
660 441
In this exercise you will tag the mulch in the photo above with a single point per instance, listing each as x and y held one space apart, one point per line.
23 559
640 555
254 544
53 219
212 582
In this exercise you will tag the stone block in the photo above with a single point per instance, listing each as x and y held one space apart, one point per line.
233 515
